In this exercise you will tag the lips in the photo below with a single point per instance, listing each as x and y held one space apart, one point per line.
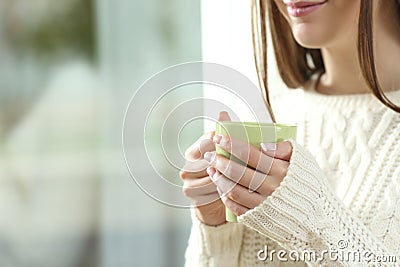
303 8
302 3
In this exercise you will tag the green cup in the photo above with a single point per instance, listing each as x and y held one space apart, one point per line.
253 133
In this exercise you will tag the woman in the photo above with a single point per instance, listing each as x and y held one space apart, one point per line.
331 201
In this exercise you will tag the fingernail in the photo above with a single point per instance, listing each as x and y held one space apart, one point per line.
268 147
209 156
224 141
217 139
211 172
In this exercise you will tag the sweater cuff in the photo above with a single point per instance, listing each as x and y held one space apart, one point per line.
289 215
216 245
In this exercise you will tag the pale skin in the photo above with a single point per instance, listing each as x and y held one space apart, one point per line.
224 183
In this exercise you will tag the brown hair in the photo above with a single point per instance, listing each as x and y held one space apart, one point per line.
296 64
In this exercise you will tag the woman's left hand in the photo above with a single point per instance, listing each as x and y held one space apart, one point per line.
243 188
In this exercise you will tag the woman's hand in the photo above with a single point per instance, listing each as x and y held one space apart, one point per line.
197 185
243 188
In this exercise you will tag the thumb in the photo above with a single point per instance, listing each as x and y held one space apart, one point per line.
224 116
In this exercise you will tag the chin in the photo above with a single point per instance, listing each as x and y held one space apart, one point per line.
310 37
309 43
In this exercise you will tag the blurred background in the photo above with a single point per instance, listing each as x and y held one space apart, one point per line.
67 71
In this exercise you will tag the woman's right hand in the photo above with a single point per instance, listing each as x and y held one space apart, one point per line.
197 185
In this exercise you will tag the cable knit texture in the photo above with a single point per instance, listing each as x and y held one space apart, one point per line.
341 193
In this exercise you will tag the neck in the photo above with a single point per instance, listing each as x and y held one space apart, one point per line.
343 74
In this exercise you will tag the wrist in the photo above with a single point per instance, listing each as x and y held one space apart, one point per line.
210 216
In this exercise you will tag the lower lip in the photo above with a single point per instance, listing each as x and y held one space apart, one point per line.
303 11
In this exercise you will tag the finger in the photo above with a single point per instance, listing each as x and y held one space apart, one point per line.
203 200
237 192
198 186
245 152
224 116
206 145
236 208
254 180
202 145
256 159
281 150
194 169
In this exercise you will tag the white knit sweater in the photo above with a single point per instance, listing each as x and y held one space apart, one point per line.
340 198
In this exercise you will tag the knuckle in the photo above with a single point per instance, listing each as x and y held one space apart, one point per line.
206 145
283 171
234 194
279 168
186 191
193 151
269 189
284 168
244 153
182 174
229 170
189 153
185 170
219 163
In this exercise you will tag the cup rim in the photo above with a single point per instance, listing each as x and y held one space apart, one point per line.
257 124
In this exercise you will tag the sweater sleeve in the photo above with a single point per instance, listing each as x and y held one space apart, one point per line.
224 245
304 216
213 245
